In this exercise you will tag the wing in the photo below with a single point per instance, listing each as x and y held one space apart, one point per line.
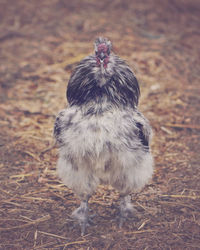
143 135
64 121
144 130
58 127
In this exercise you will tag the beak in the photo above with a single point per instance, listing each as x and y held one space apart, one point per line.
101 56
101 65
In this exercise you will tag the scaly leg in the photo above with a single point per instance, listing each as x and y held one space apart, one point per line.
126 209
81 215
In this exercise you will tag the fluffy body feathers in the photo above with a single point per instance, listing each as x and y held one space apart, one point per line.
103 138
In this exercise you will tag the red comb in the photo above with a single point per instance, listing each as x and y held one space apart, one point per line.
102 47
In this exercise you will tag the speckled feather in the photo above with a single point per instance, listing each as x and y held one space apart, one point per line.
102 136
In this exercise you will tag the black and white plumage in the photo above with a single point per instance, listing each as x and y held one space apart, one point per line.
102 137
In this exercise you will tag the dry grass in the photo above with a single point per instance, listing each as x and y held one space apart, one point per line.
41 43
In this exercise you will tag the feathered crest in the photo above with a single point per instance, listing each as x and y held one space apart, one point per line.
103 40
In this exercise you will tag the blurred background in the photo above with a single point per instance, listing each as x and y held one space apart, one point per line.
40 44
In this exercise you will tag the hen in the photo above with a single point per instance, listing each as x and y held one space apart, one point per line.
102 136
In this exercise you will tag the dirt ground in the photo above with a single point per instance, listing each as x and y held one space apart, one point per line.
40 43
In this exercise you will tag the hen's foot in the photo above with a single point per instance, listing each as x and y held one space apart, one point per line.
126 210
81 215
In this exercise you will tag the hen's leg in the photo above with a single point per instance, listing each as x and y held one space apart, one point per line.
126 209
81 215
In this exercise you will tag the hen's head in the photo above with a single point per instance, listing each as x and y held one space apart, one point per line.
102 51
103 78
